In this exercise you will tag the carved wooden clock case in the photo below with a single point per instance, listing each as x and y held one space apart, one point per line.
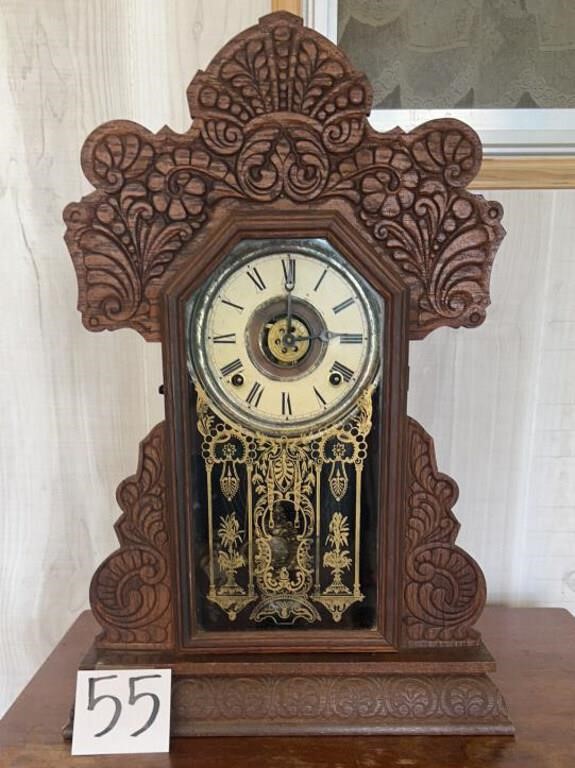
287 543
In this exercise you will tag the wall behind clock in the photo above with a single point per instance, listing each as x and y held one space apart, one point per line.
498 400
74 404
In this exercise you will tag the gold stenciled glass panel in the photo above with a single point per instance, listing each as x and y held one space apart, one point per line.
284 356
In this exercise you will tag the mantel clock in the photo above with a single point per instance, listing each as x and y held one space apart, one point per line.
287 543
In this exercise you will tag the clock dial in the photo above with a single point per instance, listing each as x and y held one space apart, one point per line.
286 338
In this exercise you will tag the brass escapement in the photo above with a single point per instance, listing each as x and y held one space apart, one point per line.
281 354
284 344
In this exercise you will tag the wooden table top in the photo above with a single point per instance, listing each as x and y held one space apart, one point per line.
535 653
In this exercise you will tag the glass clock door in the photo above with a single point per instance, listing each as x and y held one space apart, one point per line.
284 359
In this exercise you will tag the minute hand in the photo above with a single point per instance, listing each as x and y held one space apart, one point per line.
323 336
289 285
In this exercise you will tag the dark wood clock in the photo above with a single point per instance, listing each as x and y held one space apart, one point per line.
287 544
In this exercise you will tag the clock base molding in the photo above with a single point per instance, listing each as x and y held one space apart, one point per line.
338 704
409 692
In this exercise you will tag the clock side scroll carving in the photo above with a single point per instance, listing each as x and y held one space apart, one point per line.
280 112
444 592
130 593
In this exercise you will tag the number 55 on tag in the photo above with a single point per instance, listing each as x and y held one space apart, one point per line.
121 711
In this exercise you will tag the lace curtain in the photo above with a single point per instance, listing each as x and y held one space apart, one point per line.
425 54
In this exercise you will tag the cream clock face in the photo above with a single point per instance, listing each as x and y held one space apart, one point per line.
285 336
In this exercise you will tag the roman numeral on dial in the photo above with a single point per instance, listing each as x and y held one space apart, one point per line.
289 269
231 304
320 399
350 338
345 372
286 404
256 279
255 394
225 338
235 365
321 277
343 305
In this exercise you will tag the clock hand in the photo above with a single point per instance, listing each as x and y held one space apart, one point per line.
323 336
289 310
289 285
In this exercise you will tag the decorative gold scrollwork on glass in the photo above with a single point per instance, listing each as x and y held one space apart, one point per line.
264 515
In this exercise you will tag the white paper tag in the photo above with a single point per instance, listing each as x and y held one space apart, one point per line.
118 711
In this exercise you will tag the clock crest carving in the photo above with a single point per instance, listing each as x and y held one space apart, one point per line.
287 522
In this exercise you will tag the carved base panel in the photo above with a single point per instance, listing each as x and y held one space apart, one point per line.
274 705
420 691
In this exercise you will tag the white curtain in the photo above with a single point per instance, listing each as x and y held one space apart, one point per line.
463 53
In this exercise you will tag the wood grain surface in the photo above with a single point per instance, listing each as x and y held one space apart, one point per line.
526 172
535 649
293 6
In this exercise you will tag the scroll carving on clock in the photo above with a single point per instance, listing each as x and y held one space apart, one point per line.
444 588
156 191
131 593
